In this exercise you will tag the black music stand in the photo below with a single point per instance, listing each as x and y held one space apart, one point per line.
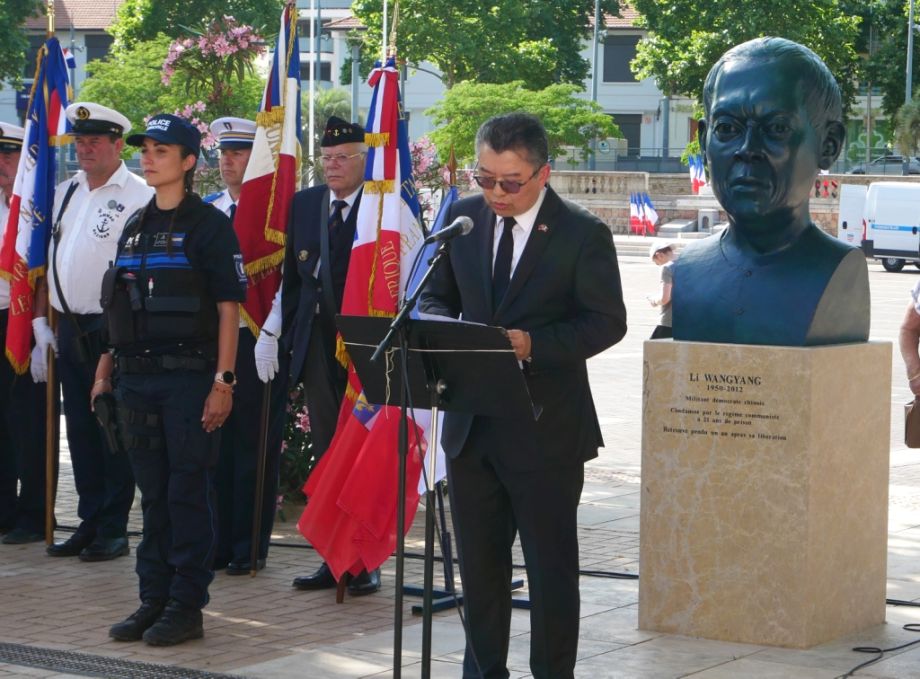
458 366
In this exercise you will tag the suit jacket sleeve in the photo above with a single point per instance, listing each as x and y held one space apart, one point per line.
598 315
290 282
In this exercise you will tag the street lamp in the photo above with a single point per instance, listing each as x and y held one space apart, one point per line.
910 53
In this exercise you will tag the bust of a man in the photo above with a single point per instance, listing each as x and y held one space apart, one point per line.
773 120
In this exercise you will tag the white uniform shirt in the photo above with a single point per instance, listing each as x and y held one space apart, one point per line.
90 229
223 202
4 284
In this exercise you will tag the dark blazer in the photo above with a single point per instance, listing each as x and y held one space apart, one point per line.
565 291
302 291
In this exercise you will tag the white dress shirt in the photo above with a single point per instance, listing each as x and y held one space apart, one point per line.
520 232
90 229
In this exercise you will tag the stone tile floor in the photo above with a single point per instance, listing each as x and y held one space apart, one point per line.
260 627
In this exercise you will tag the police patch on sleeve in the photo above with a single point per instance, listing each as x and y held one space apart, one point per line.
240 270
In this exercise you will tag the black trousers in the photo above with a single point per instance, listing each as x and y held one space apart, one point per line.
239 448
104 482
22 446
324 381
173 462
491 501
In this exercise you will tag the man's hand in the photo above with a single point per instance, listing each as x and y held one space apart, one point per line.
44 336
266 353
520 342
38 365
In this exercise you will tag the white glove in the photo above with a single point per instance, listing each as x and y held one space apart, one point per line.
44 336
38 366
266 353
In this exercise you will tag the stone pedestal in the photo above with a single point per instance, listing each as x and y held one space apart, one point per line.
764 491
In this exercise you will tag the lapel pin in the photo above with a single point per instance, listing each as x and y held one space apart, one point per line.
542 228
302 255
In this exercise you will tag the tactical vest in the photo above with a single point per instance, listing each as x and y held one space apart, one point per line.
152 295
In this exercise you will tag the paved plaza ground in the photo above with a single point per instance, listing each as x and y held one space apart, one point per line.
55 613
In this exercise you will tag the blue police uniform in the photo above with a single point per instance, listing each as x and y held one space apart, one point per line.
173 267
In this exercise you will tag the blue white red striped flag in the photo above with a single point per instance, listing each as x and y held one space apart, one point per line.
351 516
272 177
27 233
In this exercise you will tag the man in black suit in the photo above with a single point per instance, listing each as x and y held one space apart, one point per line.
320 234
547 270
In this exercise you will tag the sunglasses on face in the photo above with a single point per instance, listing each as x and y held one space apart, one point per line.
507 185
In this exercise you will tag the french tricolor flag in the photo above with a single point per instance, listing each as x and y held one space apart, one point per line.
635 217
351 515
27 233
272 177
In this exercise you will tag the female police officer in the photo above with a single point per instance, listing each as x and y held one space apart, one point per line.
170 302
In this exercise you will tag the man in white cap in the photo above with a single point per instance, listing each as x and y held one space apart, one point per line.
89 215
234 138
22 402
239 443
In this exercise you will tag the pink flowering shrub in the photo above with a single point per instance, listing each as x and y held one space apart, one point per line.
430 176
296 448
212 59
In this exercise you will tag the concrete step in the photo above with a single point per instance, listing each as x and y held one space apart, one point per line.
638 246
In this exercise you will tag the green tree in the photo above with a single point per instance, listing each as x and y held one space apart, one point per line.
885 58
907 127
686 37
15 44
328 102
140 20
569 120
539 43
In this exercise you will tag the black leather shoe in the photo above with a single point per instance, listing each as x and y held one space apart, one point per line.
75 544
22 536
364 583
176 624
321 579
243 567
133 627
105 549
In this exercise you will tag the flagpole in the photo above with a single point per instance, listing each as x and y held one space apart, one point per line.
310 141
383 41
52 421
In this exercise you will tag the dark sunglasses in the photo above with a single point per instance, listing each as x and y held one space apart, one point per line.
508 185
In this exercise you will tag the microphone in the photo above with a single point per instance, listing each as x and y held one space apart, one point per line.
460 227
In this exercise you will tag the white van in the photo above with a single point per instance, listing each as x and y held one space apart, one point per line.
891 224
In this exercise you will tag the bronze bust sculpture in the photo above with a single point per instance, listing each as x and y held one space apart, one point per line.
772 121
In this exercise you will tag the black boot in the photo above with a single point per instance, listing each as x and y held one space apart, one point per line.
178 623
133 627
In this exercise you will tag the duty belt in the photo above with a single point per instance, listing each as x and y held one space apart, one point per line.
161 364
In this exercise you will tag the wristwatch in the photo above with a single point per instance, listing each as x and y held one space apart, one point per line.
226 377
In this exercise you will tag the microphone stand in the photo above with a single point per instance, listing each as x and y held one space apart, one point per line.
400 325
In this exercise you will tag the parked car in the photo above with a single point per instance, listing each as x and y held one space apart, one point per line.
888 165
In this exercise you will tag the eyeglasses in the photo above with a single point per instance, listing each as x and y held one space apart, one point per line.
508 185
340 157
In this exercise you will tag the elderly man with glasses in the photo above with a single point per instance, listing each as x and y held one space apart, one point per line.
320 235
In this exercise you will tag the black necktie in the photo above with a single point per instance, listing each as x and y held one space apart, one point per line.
335 219
232 211
501 274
